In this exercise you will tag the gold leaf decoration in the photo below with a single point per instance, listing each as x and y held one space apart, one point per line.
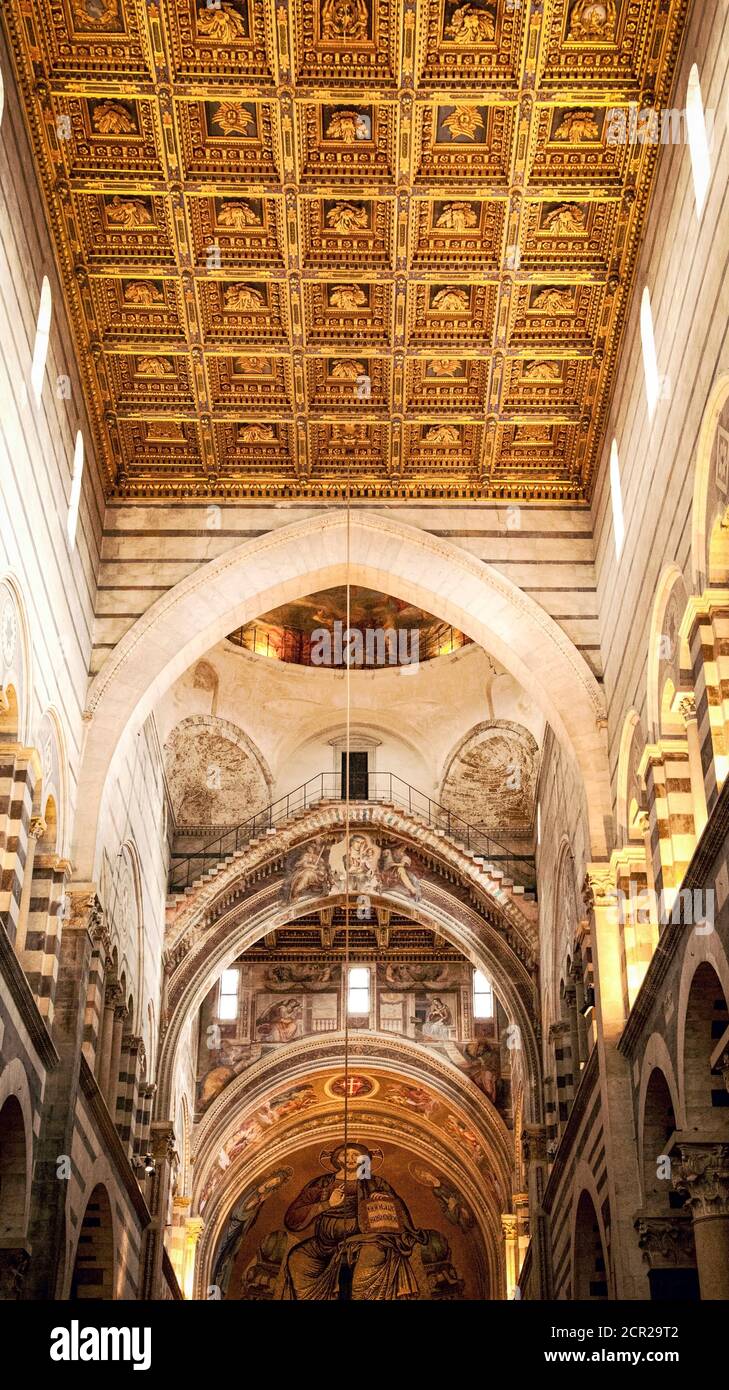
470 26
567 220
593 20
255 434
576 126
348 297
464 121
541 371
347 126
142 292
443 434
221 24
244 299
155 367
457 217
128 212
233 118
344 19
451 300
347 217
237 216
553 301
346 370
445 366
111 118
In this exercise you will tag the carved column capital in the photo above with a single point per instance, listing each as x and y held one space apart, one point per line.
509 1225
598 889
534 1144
665 1240
687 708
702 1175
37 827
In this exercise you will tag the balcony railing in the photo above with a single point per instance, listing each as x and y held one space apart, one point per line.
381 787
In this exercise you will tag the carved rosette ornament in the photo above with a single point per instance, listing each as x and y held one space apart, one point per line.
702 1176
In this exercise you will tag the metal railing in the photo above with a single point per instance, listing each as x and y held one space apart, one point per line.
384 787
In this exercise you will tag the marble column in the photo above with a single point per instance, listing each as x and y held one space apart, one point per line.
702 1176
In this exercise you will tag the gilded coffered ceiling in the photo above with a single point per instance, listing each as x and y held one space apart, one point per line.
312 240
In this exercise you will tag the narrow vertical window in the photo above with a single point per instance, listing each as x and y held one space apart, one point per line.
76 476
42 335
698 140
616 494
650 358
228 996
358 990
2 96
483 996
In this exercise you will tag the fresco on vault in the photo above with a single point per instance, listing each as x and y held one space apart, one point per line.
304 1234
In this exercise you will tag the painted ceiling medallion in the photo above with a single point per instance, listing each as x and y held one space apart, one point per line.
344 20
593 20
471 26
464 122
457 217
347 217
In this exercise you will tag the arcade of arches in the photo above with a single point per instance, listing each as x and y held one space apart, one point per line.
364 699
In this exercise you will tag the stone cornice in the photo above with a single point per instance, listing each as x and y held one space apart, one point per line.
22 996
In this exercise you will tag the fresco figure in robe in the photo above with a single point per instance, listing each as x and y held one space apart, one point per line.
363 1235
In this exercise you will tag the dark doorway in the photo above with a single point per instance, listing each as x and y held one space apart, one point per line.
359 781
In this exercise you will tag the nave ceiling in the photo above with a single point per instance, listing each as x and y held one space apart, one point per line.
371 240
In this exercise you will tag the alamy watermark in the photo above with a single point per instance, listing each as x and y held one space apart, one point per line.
692 908
377 646
647 126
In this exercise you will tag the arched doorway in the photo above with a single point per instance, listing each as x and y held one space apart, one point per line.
93 1269
13 1198
707 1018
665 1229
589 1268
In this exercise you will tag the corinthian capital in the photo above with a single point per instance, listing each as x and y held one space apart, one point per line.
598 889
702 1175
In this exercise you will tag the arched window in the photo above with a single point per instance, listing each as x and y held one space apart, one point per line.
78 468
698 140
616 494
650 358
483 996
358 990
228 997
42 335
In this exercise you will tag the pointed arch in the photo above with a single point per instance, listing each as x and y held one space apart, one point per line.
313 554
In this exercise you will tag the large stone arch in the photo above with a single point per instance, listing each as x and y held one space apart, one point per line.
318 553
227 914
